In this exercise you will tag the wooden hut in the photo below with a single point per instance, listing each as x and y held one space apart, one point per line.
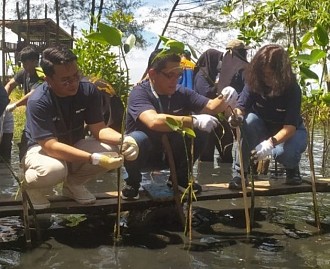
40 33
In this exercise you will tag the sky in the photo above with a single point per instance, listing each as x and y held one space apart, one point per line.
136 59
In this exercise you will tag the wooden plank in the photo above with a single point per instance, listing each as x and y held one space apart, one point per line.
156 194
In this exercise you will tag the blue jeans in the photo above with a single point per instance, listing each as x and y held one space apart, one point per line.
151 152
254 131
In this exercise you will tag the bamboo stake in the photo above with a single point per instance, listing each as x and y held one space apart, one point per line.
312 168
25 203
117 224
174 178
246 209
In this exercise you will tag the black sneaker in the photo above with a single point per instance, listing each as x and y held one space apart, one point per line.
293 176
130 193
236 183
196 187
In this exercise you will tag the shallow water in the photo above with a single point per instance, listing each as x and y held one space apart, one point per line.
284 235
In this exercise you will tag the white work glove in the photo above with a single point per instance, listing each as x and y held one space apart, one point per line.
235 120
106 161
205 122
11 107
263 150
230 96
130 148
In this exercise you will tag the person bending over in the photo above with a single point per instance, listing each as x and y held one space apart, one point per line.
270 104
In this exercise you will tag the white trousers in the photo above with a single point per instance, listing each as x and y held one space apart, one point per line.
43 171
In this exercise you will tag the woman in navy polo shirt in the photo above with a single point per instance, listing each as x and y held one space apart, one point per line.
270 104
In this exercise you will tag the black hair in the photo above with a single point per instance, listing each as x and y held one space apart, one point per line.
29 53
56 56
160 57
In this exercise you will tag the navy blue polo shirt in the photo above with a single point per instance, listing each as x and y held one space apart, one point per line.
275 111
182 103
50 116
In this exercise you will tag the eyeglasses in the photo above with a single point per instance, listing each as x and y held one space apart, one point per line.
75 78
171 75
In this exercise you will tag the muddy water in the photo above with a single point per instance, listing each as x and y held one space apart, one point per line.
284 235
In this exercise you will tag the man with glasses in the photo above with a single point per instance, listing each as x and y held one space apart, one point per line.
150 103
57 149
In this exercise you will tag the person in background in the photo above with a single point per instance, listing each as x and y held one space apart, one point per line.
231 73
150 103
57 150
269 110
188 66
205 75
4 100
28 79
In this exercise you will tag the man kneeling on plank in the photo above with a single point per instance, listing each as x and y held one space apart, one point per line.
57 150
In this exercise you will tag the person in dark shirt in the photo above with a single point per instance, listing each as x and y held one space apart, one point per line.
4 100
150 103
205 75
270 104
28 79
58 151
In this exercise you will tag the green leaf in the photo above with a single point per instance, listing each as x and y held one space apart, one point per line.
307 73
326 99
129 43
321 36
305 58
175 46
97 37
111 34
317 54
306 37
189 132
173 124
163 38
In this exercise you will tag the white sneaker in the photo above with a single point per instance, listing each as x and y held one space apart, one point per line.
78 193
38 200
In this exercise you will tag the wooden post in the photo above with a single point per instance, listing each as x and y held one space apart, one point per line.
174 178
246 207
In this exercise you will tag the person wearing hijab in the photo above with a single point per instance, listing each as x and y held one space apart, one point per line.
205 75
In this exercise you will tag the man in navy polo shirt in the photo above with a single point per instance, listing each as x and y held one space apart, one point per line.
149 104
57 150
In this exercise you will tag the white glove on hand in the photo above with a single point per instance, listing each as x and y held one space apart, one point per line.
230 96
205 122
263 150
11 107
130 148
235 120
106 160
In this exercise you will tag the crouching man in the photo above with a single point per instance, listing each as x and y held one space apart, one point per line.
57 149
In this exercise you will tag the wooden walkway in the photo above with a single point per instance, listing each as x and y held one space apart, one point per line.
107 201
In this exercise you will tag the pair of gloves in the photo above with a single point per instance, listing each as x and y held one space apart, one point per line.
207 122
130 151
